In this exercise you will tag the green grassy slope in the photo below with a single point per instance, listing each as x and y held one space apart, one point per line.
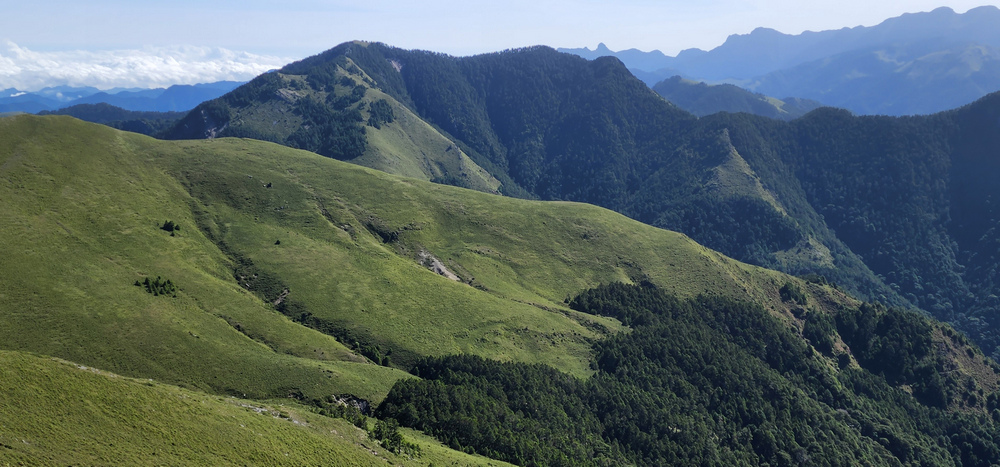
80 224
517 260
54 412
100 196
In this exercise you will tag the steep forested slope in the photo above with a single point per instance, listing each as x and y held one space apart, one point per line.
912 196
712 381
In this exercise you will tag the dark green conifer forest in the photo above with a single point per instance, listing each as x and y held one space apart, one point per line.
710 381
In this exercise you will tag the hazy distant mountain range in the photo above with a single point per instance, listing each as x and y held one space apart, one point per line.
702 99
177 98
917 63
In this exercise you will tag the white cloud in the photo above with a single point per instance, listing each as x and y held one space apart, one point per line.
148 67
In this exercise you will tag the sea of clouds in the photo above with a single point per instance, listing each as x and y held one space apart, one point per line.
148 67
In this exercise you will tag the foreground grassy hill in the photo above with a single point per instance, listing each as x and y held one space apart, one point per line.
53 412
81 224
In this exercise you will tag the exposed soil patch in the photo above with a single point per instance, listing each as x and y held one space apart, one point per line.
430 261
281 298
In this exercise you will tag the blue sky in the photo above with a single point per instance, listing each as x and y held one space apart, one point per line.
99 42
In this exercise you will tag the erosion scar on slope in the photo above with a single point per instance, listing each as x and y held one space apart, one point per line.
429 260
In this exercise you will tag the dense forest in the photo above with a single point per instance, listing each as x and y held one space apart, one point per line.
894 210
713 381
144 122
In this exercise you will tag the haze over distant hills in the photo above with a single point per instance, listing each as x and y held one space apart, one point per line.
702 99
177 98
917 63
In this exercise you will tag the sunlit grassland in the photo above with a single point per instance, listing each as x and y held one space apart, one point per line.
80 224
54 412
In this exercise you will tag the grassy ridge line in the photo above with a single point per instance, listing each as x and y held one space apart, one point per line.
406 145
80 223
539 252
357 282
54 412
526 256
100 195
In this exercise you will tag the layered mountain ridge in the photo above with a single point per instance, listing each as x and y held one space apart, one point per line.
529 327
177 98
828 188
917 63
702 100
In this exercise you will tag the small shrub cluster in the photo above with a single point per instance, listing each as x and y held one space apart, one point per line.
158 286
386 432
790 292
170 226
352 409
380 228
820 328
337 407
816 279
380 113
